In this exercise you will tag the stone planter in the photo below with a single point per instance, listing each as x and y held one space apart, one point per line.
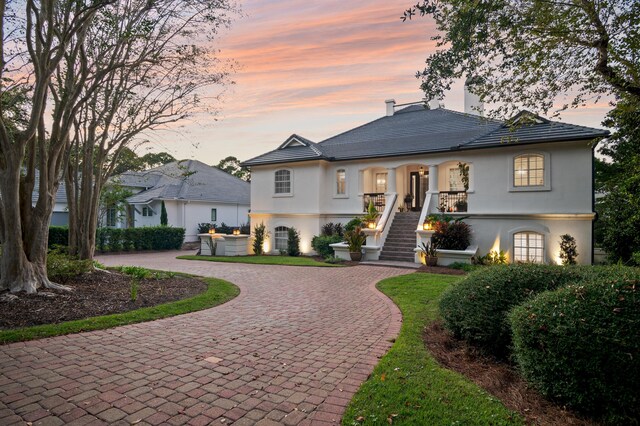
356 256
447 257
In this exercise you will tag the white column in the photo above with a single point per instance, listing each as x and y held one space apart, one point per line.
433 179
391 180
360 182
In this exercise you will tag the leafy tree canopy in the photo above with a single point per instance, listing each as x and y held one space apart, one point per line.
128 160
232 166
530 53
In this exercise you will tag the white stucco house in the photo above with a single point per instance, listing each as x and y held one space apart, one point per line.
528 183
193 193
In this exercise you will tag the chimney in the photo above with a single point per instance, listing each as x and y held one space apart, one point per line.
435 103
391 104
472 103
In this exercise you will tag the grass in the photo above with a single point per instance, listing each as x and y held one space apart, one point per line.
263 260
218 292
408 386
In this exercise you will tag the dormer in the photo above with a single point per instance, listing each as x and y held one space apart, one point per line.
295 140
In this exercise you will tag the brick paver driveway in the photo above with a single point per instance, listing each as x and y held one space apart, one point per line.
291 349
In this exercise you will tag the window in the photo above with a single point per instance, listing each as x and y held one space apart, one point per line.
281 237
283 182
341 182
528 170
455 180
381 182
528 247
111 216
214 215
146 211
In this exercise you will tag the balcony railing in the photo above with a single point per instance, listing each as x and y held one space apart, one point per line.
378 201
453 201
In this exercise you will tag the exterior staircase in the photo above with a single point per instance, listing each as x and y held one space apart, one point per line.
401 239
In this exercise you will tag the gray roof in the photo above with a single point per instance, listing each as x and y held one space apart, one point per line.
61 195
416 130
186 180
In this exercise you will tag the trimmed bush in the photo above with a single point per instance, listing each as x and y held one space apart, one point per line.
58 236
454 235
321 244
61 267
580 345
293 242
476 309
145 238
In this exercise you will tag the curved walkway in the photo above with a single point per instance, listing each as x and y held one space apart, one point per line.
291 349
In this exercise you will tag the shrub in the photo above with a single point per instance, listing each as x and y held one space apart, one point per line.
329 229
333 260
580 345
293 242
476 309
321 244
245 229
145 238
260 234
136 272
354 223
454 235
568 250
491 258
61 267
204 227
58 236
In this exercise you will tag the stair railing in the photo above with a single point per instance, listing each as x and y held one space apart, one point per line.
425 209
384 224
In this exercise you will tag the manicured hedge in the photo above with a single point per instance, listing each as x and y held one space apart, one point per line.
476 309
145 238
321 244
58 236
580 345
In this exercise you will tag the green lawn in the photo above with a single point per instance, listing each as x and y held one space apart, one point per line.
263 260
408 386
218 292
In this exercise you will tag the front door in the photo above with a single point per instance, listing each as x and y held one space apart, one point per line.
414 190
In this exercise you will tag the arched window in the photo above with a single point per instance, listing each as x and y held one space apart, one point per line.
283 182
528 247
280 237
528 170
341 182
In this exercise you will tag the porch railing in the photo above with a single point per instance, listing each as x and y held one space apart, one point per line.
378 201
453 201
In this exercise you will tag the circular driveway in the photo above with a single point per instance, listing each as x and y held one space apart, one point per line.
291 349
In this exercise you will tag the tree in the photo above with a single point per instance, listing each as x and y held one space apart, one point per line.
232 166
618 178
164 220
528 53
158 84
36 37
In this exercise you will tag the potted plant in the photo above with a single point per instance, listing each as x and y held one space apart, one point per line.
355 239
371 217
408 199
430 253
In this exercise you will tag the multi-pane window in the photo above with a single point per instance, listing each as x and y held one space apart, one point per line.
528 247
281 237
528 170
455 180
214 215
112 215
341 182
146 211
283 182
381 182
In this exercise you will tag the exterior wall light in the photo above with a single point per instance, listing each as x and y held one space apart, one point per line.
371 225
426 226
236 231
421 171
212 231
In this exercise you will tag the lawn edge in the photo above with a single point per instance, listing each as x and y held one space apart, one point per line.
213 296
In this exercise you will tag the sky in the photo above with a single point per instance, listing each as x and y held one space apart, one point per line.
315 69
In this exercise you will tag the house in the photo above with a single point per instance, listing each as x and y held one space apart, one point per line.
60 214
193 193
530 181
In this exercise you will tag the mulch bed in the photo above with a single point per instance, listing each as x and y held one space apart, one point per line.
94 294
497 378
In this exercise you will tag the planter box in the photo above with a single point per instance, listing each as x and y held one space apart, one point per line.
447 257
341 251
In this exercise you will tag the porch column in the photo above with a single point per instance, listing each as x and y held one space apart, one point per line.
360 182
433 179
391 180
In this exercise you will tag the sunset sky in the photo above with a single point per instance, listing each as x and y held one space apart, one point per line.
316 69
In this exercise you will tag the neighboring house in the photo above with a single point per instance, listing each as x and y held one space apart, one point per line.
60 215
530 180
193 193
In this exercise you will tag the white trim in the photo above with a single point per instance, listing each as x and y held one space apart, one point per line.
283 194
335 183
547 172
